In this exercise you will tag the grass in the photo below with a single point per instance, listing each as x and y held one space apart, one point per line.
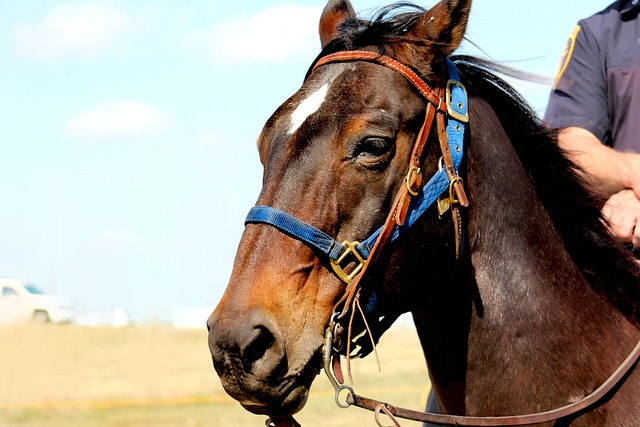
54 376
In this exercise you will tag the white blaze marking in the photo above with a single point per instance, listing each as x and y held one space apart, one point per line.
307 108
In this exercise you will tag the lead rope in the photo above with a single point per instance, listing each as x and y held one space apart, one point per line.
515 420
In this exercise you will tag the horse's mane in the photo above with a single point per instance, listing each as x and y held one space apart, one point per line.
388 25
573 207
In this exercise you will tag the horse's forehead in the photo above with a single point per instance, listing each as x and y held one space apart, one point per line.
307 107
313 97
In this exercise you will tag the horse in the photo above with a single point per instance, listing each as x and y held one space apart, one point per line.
522 300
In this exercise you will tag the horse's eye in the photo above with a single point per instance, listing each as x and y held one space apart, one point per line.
372 149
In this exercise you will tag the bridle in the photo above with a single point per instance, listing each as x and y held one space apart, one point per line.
403 216
411 202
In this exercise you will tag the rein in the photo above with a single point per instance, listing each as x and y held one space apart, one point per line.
378 407
411 202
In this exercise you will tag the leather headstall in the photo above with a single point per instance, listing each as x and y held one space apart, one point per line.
414 198
411 202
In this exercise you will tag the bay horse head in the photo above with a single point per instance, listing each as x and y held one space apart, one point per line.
334 154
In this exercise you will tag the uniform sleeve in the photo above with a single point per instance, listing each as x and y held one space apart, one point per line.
579 95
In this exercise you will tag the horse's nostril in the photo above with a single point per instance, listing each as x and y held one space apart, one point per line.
259 341
249 342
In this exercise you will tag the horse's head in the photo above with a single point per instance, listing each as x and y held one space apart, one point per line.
334 156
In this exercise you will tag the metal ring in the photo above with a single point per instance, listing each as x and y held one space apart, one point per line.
340 390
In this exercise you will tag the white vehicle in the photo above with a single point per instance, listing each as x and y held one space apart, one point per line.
20 301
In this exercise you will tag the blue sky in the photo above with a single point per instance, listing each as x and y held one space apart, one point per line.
127 136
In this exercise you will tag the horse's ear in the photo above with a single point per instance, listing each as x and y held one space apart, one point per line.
335 13
445 23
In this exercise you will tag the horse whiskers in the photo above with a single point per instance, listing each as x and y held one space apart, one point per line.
301 369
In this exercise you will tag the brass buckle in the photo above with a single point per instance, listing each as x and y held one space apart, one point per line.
351 248
444 202
452 192
413 170
461 117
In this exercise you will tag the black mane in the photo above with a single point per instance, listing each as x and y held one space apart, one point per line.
389 25
573 207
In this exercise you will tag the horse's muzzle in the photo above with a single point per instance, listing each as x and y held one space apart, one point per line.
249 356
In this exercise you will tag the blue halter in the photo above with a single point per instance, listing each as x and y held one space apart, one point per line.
457 112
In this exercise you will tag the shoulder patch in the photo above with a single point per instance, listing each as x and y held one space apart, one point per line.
566 55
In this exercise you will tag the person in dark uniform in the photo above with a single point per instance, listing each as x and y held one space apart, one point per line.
596 98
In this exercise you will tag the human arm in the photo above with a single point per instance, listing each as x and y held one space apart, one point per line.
579 105
614 174
607 170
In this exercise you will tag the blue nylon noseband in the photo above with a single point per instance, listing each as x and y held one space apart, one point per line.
457 108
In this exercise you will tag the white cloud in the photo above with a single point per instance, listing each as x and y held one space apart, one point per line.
73 30
119 119
272 35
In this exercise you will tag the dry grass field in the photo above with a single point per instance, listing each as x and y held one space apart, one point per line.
54 376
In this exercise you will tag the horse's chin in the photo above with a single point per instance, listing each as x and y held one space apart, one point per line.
278 398
291 404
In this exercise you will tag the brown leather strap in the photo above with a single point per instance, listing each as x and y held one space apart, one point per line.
436 104
456 184
396 215
448 163
399 67
456 215
387 229
516 420
414 177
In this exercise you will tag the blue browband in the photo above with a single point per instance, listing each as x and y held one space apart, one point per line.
457 112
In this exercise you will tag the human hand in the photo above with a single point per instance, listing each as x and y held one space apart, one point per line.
631 172
622 211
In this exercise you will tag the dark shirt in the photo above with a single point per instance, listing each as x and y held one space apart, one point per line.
598 83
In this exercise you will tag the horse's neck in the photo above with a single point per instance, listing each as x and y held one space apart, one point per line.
537 335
